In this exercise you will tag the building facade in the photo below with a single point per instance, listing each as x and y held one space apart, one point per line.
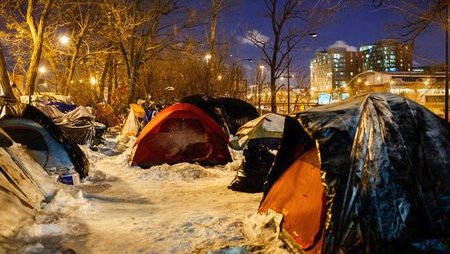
333 69
425 88
386 55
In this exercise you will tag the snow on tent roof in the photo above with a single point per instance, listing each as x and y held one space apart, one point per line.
229 113
269 125
181 133
384 165
23 111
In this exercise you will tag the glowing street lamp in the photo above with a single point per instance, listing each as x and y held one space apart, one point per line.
207 58
207 88
42 69
93 80
64 39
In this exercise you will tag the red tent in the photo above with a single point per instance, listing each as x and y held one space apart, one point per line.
181 133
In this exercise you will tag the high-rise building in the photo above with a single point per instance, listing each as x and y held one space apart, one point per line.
386 55
333 69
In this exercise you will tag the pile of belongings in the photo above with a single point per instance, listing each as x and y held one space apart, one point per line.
77 122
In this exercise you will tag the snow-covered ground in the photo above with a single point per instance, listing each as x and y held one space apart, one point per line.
184 208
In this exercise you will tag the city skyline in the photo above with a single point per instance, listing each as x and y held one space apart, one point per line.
354 25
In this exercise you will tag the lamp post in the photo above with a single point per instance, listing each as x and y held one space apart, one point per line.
207 58
260 88
64 40
236 77
446 66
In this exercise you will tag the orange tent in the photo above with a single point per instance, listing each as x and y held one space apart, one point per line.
181 133
299 196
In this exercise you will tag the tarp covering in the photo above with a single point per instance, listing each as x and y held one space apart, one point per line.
23 186
78 125
385 165
19 110
80 113
229 113
181 133
19 198
49 110
63 107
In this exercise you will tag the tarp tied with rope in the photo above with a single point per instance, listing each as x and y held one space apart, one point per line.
385 166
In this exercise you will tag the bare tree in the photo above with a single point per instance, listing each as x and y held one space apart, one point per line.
4 80
141 28
291 21
420 15
36 21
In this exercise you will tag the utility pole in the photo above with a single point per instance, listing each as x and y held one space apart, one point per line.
288 81
446 66
260 88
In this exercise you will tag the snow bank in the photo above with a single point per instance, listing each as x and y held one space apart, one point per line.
182 208
67 202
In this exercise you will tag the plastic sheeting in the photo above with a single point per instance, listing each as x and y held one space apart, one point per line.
131 126
385 164
19 110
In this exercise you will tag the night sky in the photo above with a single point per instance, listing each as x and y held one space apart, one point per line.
354 25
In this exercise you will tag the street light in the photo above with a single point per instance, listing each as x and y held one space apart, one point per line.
92 80
64 39
42 69
260 88
237 76
207 58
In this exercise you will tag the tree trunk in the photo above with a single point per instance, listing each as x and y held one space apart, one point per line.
4 79
273 92
101 96
37 34
72 67
34 65
133 81
110 79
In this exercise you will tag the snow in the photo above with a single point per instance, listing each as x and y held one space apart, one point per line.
183 208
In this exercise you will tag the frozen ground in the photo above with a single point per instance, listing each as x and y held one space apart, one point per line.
183 208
